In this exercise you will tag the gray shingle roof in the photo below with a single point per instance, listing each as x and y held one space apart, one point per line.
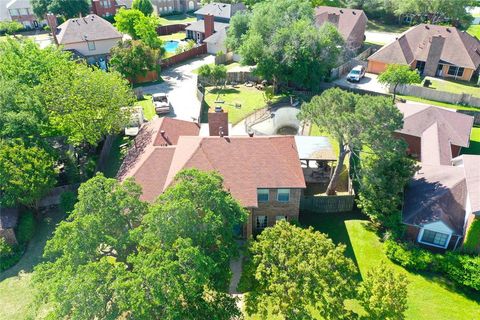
91 28
8 218
199 26
221 10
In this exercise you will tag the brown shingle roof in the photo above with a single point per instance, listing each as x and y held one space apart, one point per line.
221 10
438 129
245 163
8 218
460 48
91 28
351 22
471 165
436 193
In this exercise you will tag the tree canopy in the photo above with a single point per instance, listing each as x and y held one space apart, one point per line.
353 121
67 8
139 26
145 6
116 255
26 173
133 58
284 43
396 75
299 271
10 27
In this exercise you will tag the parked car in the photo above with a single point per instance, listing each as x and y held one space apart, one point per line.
356 74
161 103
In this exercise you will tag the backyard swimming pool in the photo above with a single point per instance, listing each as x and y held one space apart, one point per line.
171 46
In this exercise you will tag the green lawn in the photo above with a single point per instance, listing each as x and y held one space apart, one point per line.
430 296
147 105
16 292
474 30
437 103
176 19
376 25
118 152
173 36
474 142
453 86
250 99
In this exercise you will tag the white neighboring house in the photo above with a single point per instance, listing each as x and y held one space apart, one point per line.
89 37
4 16
20 11
217 41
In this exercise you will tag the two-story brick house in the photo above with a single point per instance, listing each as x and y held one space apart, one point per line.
263 173
21 11
107 8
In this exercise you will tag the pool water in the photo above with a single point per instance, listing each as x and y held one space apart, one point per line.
171 46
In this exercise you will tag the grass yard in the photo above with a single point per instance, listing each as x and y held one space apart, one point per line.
437 103
430 296
147 106
174 36
118 152
453 86
250 100
474 30
176 19
376 25
474 142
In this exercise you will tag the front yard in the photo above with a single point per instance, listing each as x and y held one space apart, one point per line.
474 30
249 99
453 86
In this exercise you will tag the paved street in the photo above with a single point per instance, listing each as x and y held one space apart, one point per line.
180 84
380 37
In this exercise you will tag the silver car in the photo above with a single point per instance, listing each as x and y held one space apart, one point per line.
161 103
356 74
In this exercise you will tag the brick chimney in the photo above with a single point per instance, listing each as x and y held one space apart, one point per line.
333 18
52 23
434 54
218 122
209 25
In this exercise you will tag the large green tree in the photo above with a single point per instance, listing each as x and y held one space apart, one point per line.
435 11
26 173
285 45
133 58
117 256
383 294
139 26
396 75
85 104
67 8
145 6
353 121
300 272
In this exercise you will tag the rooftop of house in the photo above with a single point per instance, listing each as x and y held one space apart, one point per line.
19 4
199 26
438 129
8 218
88 28
221 10
436 193
218 37
246 163
348 21
459 48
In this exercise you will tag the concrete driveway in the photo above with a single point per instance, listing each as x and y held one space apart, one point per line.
380 37
180 84
369 83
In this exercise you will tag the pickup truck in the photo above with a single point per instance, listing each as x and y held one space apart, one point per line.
161 103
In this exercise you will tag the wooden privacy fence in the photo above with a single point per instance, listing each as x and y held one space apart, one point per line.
324 204
186 55
173 28
360 59
438 95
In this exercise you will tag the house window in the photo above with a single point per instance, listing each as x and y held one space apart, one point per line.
280 218
13 12
23 12
455 71
91 45
283 195
261 222
420 66
435 238
262 195
105 3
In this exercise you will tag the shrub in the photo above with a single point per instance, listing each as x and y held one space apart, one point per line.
67 201
5 248
9 255
462 269
409 256
472 240
26 227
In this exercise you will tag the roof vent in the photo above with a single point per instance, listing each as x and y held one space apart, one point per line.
341 11
448 30
354 13
427 27
220 132
162 133
250 134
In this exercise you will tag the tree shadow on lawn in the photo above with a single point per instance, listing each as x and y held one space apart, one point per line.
333 224
224 91
449 285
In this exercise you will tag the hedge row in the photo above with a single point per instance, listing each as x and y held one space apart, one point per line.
462 269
